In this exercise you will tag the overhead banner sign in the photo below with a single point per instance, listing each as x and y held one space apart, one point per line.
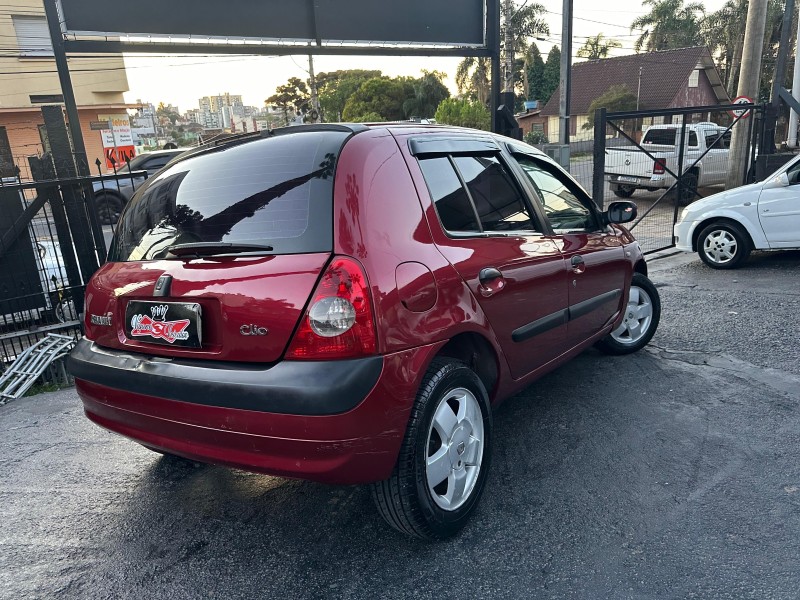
451 22
117 141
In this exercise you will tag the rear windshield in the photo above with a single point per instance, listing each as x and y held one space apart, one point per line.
274 192
660 136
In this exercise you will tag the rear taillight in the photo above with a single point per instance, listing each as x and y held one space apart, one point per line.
659 166
339 321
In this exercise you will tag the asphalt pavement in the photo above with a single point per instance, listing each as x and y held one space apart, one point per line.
672 473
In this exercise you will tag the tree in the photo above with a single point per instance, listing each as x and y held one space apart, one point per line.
382 96
292 97
429 91
463 112
597 47
616 98
334 88
472 78
723 32
534 74
370 117
551 75
669 24
523 23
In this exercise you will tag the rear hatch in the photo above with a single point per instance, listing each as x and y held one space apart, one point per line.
217 256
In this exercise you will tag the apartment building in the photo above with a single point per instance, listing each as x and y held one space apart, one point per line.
28 80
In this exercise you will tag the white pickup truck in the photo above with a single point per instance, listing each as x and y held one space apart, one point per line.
629 169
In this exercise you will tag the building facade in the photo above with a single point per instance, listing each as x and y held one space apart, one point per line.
28 80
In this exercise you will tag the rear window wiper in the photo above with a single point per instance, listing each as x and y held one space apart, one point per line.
211 248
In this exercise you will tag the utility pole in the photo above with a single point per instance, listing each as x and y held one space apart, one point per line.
749 77
566 72
508 85
312 83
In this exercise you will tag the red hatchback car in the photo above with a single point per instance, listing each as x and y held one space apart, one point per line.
347 304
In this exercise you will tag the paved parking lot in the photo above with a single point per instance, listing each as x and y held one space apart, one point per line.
674 473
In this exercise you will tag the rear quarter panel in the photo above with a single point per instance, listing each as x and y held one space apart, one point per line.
379 219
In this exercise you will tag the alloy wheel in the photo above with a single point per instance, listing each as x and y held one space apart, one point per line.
454 449
638 317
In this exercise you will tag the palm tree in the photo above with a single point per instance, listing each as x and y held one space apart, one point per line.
723 31
596 47
525 22
669 24
472 78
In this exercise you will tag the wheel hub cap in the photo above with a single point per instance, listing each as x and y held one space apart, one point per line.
454 449
720 247
638 318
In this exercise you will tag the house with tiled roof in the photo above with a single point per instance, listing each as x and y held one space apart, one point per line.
667 79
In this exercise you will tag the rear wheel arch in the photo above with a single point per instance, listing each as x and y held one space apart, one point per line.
475 351
720 221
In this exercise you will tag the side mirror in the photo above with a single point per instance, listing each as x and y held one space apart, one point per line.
783 178
621 212
779 181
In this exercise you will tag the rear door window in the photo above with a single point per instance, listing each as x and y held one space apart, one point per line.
497 200
476 194
275 192
659 136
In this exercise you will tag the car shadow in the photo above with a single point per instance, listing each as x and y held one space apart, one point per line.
555 443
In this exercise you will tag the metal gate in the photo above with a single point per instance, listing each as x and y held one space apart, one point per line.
665 159
51 242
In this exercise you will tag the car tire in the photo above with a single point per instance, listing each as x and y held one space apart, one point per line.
109 207
623 191
640 321
444 459
723 246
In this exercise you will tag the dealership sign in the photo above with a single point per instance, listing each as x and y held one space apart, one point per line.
322 22
117 141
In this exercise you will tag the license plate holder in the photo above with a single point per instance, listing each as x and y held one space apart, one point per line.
164 323
627 179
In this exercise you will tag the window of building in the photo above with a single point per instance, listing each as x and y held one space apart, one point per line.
33 37
694 78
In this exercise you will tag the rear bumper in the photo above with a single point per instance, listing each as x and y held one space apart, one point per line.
355 445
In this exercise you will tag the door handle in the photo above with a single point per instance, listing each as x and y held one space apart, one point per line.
489 274
578 265
491 281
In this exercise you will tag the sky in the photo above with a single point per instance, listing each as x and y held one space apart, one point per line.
181 81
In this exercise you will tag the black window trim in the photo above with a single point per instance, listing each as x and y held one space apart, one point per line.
515 181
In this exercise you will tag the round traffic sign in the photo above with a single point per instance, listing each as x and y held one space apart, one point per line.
744 113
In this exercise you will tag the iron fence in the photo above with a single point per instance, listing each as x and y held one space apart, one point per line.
665 159
51 241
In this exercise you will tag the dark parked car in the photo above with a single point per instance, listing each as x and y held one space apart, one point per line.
347 304
112 195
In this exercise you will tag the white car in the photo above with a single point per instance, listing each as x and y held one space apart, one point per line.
725 227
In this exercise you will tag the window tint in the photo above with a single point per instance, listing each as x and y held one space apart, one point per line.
274 191
498 202
659 136
452 203
692 138
562 205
